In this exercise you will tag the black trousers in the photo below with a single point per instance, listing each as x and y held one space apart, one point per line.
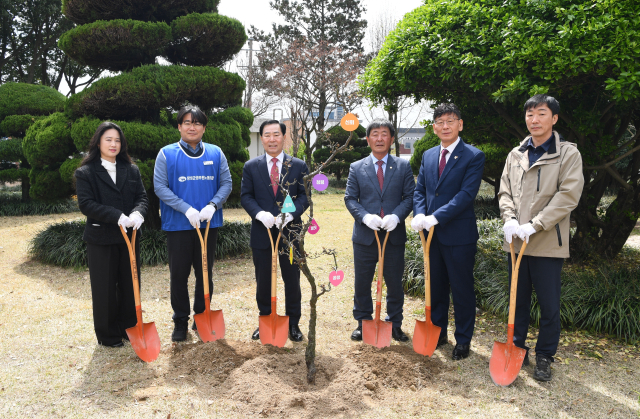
290 276
114 308
365 259
543 275
452 269
184 253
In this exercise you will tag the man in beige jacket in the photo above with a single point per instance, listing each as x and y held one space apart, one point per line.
541 184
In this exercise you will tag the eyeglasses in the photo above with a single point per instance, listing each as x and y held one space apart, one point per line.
189 123
448 122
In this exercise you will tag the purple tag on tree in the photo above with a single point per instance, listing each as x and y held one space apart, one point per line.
320 182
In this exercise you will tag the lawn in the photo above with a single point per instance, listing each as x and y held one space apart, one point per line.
53 366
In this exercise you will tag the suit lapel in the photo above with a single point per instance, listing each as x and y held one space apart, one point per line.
453 159
102 174
121 175
263 172
389 172
370 169
433 165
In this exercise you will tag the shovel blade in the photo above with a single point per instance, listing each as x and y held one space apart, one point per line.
274 331
376 333
145 341
505 363
425 337
210 325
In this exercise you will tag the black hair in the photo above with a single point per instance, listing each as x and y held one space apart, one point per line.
538 100
379 123
283 127
445 109
196 114
93 153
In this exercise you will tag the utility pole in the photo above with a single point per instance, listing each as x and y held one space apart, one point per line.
250 75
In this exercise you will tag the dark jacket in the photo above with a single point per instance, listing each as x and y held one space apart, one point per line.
256 194
103 202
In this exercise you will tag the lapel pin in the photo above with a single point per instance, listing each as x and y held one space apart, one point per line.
455 157
390 167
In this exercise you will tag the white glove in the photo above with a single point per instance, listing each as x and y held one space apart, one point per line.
373 221
194 217
125 222
207 213
429 221
287 219
525 230
510 229
417 222
136 220
266 218
390 222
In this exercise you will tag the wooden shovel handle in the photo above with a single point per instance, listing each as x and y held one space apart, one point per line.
514 281
274 262
426 245
205 262
133 263
380 265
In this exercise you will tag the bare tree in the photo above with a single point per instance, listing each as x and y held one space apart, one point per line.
259 95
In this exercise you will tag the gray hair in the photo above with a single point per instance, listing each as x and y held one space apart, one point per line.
379 123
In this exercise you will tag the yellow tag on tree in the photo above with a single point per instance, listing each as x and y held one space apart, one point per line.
291 255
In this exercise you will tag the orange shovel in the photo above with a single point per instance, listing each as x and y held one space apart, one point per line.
426 334
143 336
274 329
377 332
506 358
210 323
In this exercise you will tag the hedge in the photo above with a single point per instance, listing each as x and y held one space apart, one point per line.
17 125
13 174
32 99
205 39
143 92
429 140
11 150
48 141
11 205
116 45
68 169
86 11
47 185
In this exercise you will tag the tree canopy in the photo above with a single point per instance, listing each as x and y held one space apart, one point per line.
490 56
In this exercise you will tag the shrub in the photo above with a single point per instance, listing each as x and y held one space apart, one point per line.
11 150
32 99
429 140
143 91
48 141
47 185
603 298
116 45
336 135
205 39
61 244
16 125
68 169
11 204
235 167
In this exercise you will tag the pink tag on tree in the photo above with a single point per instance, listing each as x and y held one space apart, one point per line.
313 227
335 278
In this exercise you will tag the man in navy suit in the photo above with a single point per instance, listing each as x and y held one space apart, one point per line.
448 183
379 196
262 198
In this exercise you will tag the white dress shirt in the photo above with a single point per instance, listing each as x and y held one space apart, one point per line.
111 168
449 149
280 158
384 163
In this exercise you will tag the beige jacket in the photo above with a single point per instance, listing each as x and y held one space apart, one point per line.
543 194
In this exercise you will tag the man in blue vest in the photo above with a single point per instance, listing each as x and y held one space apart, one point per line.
192 180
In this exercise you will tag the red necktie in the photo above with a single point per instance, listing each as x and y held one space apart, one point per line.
380 181
274 176
443 162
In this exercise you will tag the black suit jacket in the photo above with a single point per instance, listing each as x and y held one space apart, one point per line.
256 195
103 202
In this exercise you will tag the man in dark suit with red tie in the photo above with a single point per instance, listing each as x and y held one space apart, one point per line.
262 198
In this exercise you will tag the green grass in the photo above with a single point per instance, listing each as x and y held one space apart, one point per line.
602 296
61 244
11 205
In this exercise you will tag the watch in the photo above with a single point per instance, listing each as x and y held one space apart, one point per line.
214 205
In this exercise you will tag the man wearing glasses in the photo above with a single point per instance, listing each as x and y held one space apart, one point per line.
447 185
192 180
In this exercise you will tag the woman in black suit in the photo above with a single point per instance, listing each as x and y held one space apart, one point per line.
109 187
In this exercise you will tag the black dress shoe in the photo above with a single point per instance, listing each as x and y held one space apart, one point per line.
542 371
256 334
460 352
442 340
180 331
357 334
398 335
113 345
295 335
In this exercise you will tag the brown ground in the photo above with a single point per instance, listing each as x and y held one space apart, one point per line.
52 366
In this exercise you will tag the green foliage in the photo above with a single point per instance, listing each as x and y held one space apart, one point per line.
235 167
47 185
16 125
61 244
495 157
11 150
205 39
14 174
429 140
144 91
146 173
86 11
32 99
11 205
116 45
603 299
68 169
337 136
48 141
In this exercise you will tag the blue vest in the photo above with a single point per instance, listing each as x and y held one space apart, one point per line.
195 180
